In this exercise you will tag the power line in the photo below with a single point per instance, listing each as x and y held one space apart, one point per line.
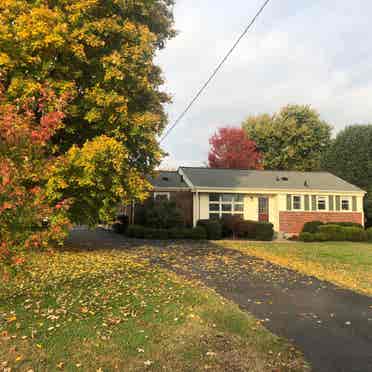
214 73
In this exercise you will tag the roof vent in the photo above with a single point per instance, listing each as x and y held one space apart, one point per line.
284 178
306 184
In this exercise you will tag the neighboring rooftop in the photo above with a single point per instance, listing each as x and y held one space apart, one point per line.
170 179
254 179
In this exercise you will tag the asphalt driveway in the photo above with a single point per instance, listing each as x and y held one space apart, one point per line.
331 325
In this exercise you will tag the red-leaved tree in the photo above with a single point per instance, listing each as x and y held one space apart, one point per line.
25 161
232 148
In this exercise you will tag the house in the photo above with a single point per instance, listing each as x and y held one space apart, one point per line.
287 199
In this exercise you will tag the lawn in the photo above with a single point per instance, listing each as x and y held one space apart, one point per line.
110 310
344 263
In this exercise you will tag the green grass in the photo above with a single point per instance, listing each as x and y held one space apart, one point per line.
344 263
106 311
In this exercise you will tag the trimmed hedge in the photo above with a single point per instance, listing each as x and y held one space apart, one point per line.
212 227
142 232
369 234
229 225
120 227
314 226
335 232
254 230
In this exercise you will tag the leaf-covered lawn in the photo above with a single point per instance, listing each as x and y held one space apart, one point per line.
103 311
344 263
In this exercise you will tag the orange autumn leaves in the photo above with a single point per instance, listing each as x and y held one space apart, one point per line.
24 165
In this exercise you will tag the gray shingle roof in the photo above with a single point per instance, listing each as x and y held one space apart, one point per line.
171 179
239 178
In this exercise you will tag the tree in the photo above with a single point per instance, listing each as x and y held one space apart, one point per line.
350 157
24 168
231 148
102 54
99 177
293 139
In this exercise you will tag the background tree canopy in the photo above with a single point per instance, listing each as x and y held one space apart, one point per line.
99 52
231 148
293 139
350 157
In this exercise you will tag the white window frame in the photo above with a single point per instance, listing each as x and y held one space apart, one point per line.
345 198
161 193
322 197
220 213
293 202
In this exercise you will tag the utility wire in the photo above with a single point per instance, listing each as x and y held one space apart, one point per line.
214 73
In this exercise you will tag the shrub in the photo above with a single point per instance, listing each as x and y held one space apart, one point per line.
177 233
198 233
306 236
118 228
229 225
348 224
121 225
245 229
312 226
355 234
162 214
157 234
333 232
212 227
264 231
254 230
136 231
369 234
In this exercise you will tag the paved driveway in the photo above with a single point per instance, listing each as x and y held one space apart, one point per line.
332 326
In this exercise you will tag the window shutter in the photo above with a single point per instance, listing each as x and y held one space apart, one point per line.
338 203
313 202
330 202
307 202
289 202
354 203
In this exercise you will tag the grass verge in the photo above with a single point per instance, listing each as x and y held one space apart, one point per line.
344 263
106 311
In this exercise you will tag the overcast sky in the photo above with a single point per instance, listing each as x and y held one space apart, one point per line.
315 52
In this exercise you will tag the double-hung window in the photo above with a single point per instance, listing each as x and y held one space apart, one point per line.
322 203
225 204
345 204
297 204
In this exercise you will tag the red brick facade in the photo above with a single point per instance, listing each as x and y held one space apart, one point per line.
293 222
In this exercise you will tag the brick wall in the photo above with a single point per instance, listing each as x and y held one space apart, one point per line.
293 222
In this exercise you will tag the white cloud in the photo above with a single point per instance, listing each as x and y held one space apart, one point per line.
298 52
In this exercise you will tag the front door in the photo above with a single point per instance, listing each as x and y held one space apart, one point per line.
263 209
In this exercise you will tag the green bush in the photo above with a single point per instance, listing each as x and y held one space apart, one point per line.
306 236
312 226
136 231
333 232
348 224
369 234
329 232
254 230
265 231
157 234
198 233
355 234
212 227
229 225
177 233
159 214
